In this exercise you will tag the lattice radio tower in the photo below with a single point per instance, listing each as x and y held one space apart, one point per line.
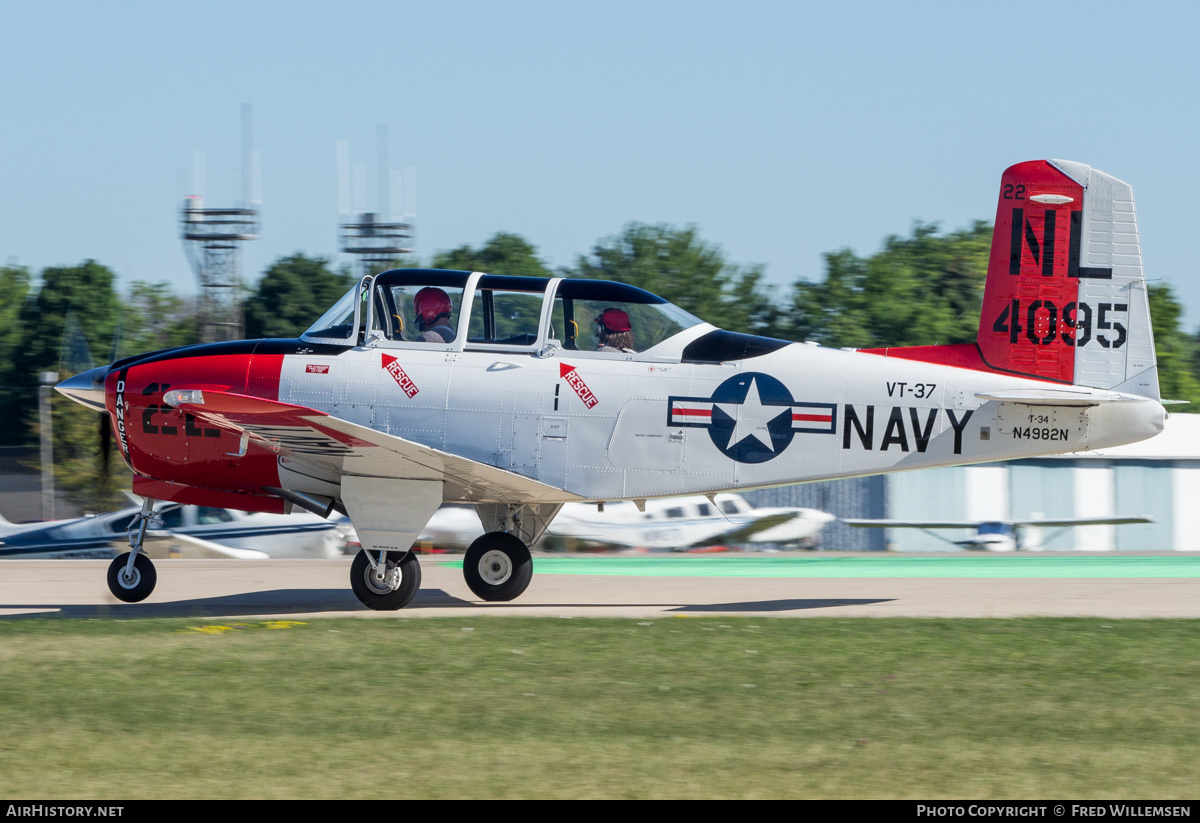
213 241
374 238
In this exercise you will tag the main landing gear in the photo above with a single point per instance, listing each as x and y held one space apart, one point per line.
498 567
131 576
385 581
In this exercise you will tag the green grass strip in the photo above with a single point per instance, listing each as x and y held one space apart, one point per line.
579 708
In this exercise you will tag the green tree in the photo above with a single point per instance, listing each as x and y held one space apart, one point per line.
1175 350
72 315
504 253
678 266
16 391
156 318
918 290
292 294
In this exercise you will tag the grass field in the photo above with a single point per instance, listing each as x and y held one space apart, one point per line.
669 708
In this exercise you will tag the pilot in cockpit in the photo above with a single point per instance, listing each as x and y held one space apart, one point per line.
433 308
614 332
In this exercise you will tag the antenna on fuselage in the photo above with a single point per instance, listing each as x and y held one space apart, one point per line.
374 238
212 239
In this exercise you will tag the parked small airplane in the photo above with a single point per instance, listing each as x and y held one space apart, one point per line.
681 523
521 394
678 523
185 531
994 535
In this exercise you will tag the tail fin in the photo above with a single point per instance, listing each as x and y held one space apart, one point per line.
1065 298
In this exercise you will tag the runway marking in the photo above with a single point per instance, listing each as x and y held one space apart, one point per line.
1090 566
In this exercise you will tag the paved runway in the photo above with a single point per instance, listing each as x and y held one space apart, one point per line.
812 586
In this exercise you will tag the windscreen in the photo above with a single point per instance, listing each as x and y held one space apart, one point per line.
338 322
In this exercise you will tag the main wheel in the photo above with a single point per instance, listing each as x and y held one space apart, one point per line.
498 567
136 586
388 589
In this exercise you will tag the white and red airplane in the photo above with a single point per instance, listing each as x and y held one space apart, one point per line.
421 387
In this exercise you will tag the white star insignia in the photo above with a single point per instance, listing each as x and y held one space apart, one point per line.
750 419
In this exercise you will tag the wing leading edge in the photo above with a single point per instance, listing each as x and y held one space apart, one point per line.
973 524
313 437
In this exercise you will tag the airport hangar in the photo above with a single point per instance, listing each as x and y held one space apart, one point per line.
1159 477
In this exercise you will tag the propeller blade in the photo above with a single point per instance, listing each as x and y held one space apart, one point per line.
105 441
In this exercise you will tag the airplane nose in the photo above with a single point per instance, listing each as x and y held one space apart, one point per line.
86 388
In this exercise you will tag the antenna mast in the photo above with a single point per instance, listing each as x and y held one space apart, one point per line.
212 239
374 238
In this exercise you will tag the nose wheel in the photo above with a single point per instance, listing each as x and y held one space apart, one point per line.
131 576
131 583
385 583
498 567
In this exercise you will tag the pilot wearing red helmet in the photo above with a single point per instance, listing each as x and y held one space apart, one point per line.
432 307
614 331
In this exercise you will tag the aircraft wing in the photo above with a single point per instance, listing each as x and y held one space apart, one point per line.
974 524
158 546
309 436
752 532
1086 521
43 546
914 524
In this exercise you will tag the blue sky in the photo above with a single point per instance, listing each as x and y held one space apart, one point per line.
781 130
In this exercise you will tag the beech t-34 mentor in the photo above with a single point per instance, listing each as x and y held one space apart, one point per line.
421 387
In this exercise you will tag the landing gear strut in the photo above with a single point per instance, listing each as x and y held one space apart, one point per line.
131 576
498 567
385 581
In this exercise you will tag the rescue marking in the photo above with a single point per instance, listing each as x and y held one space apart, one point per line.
313 368
393 368
573 379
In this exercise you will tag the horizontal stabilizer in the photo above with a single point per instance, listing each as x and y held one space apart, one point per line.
1058 396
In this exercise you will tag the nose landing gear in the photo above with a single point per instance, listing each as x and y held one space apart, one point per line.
131 576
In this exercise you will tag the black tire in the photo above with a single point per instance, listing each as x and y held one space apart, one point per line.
376 596
498 567
143 582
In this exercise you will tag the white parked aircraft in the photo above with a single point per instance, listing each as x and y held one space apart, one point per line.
184 531
680 523
677 523
519 394
994 535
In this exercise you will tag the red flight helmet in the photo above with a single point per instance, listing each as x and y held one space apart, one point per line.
614 321
430 304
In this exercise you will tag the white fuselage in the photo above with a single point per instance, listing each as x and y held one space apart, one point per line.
606 426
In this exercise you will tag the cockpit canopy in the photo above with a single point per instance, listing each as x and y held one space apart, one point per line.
496 312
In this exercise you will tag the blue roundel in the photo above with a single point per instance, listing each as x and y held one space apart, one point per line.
751 418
